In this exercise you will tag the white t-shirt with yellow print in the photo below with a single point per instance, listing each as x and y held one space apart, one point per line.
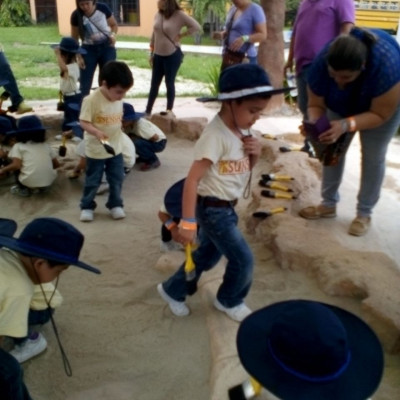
106 116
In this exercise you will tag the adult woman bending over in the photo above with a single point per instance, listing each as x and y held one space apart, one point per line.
166 55
355 80
96 26
245 25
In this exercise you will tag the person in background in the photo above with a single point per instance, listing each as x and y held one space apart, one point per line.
100 118
32 158
38 256
317 23
355 82
96 26
245 25
165 52
66 53
8 81
224 156
148 138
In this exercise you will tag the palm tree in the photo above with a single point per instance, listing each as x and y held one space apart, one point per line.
271 52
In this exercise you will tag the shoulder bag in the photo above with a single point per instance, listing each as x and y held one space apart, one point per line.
182 55
230 57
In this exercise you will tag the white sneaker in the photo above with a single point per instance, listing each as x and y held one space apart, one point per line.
237 313
76 139
117 213
170 246
178 308
103 188
30 348
87 215
58 137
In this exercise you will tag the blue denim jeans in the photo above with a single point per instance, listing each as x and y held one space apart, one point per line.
114 170
164 66
374 144
11 87
97 54
12 386
147 150
218 236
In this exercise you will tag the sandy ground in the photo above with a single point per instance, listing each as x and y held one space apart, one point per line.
119 336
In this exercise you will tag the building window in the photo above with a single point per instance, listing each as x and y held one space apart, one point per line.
126 12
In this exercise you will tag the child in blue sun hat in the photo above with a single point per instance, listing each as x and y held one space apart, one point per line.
33 160
225 154
45 248
67 54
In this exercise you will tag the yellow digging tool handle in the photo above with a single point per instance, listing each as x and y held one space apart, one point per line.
279 186
277 210
189 264
64 140
256 386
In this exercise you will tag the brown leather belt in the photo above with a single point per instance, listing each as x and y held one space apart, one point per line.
214 202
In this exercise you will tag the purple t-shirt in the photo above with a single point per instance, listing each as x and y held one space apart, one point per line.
245 25
318 22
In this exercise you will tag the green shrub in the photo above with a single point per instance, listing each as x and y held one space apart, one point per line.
15 13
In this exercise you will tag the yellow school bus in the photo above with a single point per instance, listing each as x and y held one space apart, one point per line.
378 14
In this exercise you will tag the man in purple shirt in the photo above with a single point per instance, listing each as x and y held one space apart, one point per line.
317 22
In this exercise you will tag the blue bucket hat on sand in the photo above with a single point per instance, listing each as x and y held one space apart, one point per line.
243 80
69 45
130 114
306 350
51 239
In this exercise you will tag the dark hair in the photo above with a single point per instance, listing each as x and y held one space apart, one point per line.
68 57
35 136
81 29
171 7
116 73
348 52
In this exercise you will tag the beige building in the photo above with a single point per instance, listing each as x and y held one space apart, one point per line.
134 17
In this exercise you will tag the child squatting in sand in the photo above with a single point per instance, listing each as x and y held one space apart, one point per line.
224 157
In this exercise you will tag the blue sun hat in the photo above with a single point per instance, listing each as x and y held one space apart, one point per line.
51 239
5 125
7 227
130 114
69 45
243 80
29 124
306 350
173 199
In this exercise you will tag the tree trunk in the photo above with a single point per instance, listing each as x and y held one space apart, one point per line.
271 52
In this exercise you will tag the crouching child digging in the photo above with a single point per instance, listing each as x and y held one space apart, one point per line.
44 249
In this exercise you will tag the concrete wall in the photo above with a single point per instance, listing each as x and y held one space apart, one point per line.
148 9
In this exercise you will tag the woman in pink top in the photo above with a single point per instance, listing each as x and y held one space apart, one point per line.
166 55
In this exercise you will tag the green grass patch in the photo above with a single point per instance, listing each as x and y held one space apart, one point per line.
30 60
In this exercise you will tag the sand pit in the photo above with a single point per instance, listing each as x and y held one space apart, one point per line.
121 339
